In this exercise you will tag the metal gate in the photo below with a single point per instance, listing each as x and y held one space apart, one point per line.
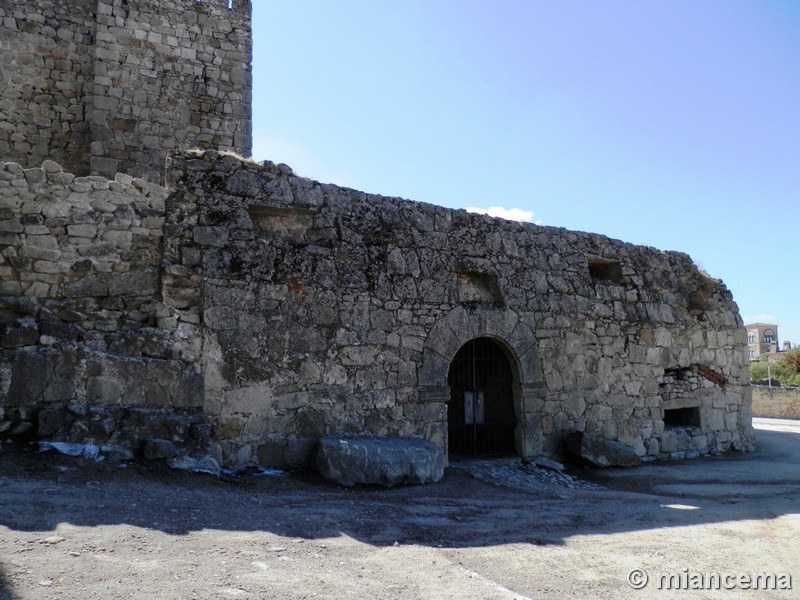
480 414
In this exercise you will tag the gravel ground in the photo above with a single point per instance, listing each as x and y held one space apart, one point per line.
71 528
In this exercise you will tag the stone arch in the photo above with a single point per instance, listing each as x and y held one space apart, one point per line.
481 417
514 332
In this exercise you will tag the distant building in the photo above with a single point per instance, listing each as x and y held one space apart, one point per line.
762 338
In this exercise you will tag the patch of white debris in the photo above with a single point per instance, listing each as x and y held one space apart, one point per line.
512 472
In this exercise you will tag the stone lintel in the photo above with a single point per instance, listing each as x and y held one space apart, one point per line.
681 403
434 393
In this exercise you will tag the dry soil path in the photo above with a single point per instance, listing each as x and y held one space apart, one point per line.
74 529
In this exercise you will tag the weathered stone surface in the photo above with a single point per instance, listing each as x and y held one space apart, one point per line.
600 452
308 310
776 402
548 463
196 464
158 449
76 113
19 429
116 453
53 419
23 332
385 461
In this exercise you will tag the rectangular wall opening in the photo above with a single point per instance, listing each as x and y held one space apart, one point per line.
290 224
682 417
478 288
603 270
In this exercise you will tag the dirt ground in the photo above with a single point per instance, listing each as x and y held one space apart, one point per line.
70 528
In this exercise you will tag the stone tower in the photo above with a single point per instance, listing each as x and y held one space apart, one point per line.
107 86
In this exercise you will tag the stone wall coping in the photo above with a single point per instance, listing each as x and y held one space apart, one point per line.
54 172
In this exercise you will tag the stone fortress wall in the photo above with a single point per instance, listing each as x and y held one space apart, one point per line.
242 311
261 310
107 86
332 311
88 349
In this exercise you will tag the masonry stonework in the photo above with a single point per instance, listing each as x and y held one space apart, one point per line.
776 402
89 351
168 302
278 310
107 86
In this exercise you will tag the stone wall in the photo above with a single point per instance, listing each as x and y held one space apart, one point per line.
246 311
78 237
168 75
88 349
107 86
46 71
776 402
331 311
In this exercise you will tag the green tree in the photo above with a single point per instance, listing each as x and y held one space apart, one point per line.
781 372
758 370
790 361
785 370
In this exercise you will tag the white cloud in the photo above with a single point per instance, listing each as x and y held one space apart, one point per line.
512 214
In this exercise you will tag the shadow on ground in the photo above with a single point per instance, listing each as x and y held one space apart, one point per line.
5 593
41 491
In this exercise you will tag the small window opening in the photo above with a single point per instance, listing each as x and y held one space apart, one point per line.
682 417
291 224
478 288
603 270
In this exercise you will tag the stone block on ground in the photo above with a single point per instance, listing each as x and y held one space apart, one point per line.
157 449
385 461
196 464
548 463
600 452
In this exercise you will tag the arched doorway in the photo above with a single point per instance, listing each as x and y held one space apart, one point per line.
480 413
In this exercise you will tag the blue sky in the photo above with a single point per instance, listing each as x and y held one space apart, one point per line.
673 124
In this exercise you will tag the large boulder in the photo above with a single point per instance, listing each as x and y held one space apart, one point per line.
600 452
386 461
